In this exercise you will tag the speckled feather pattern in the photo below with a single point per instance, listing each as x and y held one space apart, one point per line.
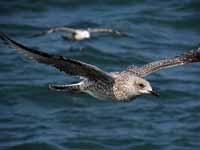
188 57
119 86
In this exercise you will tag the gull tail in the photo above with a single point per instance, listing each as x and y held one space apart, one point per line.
70 87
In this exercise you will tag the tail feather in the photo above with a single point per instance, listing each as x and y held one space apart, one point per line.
71 87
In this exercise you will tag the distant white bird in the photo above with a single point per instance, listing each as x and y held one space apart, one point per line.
118 86
80 34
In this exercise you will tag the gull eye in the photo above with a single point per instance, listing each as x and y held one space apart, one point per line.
141 85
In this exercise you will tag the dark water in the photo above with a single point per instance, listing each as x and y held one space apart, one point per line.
32 117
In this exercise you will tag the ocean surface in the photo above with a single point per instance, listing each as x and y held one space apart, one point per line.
34 118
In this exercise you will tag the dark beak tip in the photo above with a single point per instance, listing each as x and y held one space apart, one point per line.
154 93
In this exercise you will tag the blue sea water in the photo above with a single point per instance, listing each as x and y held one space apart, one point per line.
32 117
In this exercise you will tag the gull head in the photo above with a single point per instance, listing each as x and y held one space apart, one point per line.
139 86
144 87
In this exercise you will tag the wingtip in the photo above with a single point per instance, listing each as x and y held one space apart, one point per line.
119 33
196 51
4 37
193 55
3 34
42 33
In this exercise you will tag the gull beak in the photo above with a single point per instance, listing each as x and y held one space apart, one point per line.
154 93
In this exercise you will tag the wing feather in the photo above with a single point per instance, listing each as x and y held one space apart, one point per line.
56 29
69 66
186 58
108 31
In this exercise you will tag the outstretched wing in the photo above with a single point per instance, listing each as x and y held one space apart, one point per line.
69 66
56 29
99 30
186 58
107 30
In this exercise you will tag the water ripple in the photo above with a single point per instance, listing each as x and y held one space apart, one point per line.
32 117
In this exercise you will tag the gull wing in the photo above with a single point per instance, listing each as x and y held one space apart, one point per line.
100 30
107 30
69 66
56 29
186 58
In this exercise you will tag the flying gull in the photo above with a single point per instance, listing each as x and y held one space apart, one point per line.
118 86
81 34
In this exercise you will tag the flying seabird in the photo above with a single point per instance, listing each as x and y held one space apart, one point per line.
81 34
118 86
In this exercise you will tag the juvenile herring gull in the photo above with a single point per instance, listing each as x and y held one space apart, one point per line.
80 34
119 86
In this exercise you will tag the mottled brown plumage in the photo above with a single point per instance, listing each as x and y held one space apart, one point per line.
119 86
186 58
